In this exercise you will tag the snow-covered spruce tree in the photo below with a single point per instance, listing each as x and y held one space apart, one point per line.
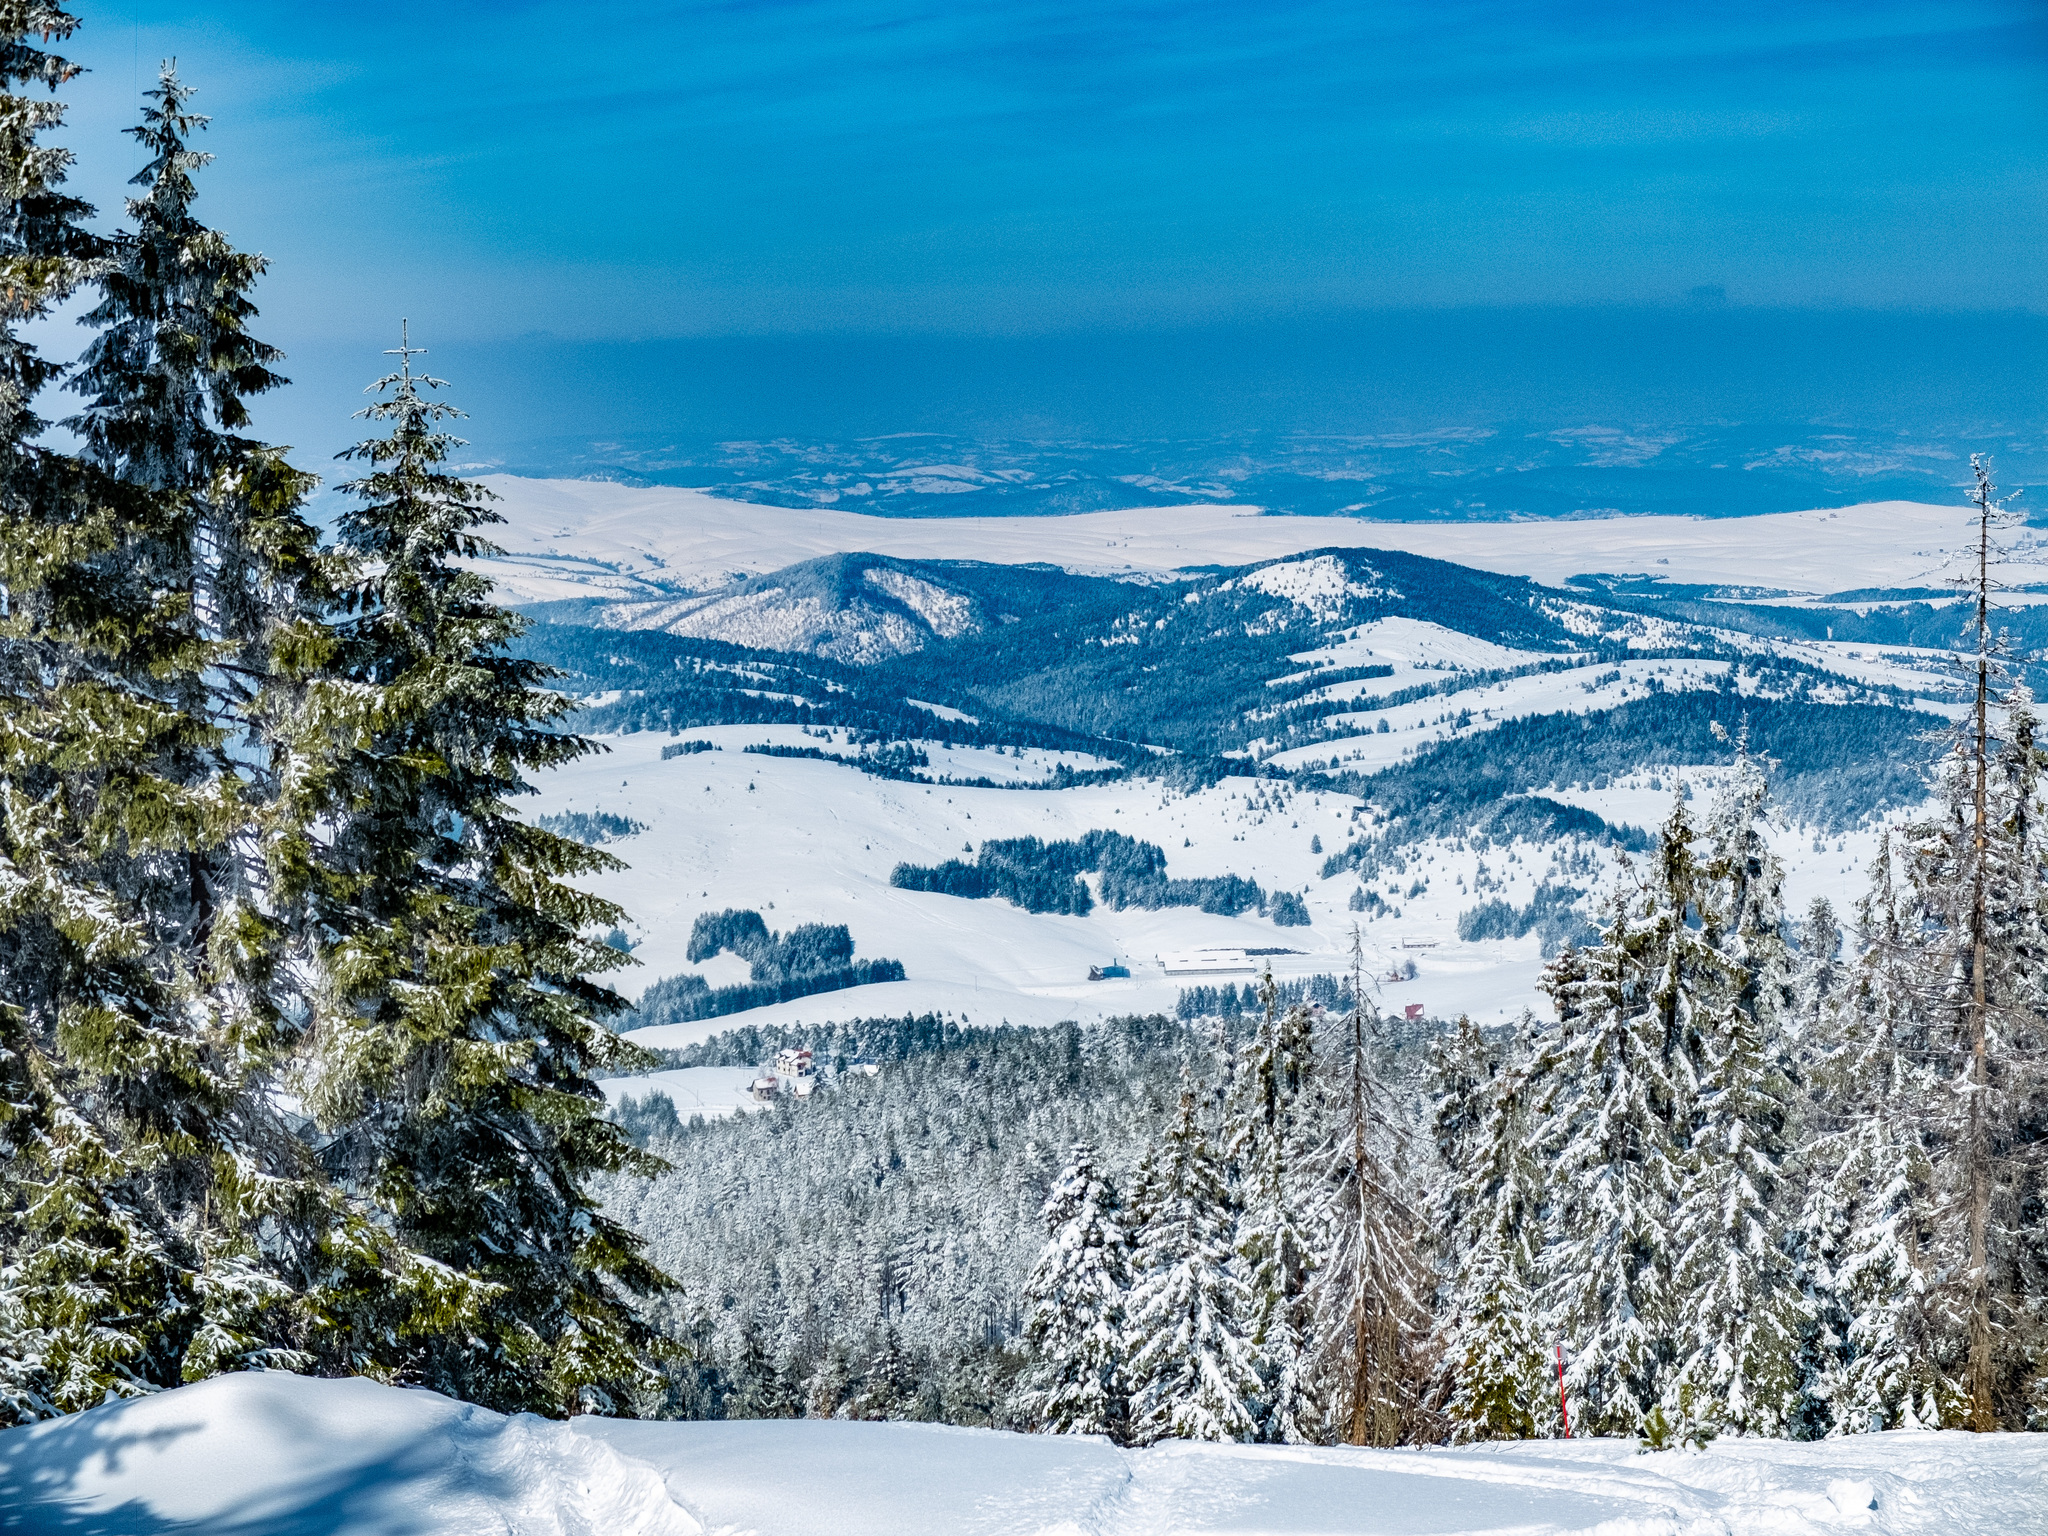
1074 1325
1370 1309
1876 1357
1975 869
461 1030
1819 975
1191 1371
66 611
164 593
888 1388
1612 1091
1742 1313
1270 1136
1497 1379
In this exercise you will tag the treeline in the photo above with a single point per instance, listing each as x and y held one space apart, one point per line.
669 683
1902 623
1231 1001
902 761
1454 816
1837 764
1552 914
1045 877
838 1044
1307 719
590 827
808 960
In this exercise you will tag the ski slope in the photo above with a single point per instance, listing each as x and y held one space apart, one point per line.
579 538
284 1455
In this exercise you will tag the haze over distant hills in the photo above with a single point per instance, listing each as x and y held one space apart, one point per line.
1468 473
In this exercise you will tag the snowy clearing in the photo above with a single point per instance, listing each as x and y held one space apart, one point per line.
581 538
803 841
288 1456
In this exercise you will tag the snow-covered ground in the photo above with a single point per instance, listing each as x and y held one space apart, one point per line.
286 1456
803 841
713 1092
580 538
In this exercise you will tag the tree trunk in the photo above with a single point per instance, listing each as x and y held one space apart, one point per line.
1978 1151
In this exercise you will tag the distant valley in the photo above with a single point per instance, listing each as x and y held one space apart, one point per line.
1456 759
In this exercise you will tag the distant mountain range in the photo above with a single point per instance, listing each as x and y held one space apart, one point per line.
1508 471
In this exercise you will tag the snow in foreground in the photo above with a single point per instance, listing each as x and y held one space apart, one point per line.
288 1456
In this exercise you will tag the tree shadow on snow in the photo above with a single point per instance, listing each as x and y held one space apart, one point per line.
391 1495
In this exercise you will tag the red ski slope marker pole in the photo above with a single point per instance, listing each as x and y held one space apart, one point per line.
1564 1406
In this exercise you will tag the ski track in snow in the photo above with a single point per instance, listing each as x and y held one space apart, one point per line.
288 1456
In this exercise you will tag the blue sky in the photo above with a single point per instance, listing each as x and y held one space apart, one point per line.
633 177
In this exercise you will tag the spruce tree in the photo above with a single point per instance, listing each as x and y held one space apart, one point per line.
1611 1090
1270 1136
1879 1357
1191 1371
1742 1313
1074 1323
462 1030
1492 1349
887 1390
1819 975
67 610
1369 1305
163 597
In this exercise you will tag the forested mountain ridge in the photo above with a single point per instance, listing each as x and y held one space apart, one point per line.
1036 648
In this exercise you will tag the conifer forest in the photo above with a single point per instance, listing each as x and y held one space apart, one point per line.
304 1010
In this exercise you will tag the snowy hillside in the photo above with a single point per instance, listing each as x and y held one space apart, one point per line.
808 841
287 1456
571 538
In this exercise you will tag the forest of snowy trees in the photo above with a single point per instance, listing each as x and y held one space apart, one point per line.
1741 1183
1756 1176
300 1023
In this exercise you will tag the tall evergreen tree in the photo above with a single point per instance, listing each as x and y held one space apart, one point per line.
1614 1088
1819 975
1492 1212
1191 1371
1270 1134
67 612
1878 1361
461 1031
1368 1294
1074 1325
163 596
1742 1313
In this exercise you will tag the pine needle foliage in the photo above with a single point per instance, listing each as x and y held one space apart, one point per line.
1191 1370
161 588
463 1027
1074 1329
1369 1296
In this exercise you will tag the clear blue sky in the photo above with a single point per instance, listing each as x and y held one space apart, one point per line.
629 173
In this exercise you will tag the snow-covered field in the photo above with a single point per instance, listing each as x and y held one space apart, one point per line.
578 538
807 841
802 841
286 1456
